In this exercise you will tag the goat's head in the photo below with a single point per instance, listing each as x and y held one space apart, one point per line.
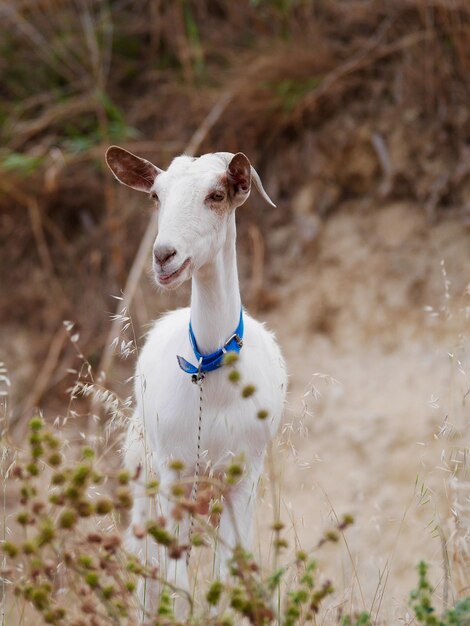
195 199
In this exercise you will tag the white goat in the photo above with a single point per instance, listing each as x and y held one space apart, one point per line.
196 200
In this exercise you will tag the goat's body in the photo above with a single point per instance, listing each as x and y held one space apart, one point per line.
168 403
197 199
165 428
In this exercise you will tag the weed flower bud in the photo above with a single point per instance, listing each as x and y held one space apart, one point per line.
248 391
68 519
230 358
234 376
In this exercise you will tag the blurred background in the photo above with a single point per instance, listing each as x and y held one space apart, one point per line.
356 115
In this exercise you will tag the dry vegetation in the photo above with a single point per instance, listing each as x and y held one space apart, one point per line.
343 106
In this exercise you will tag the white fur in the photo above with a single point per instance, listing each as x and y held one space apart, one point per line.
165 422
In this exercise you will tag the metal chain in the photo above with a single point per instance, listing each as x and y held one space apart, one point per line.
195 488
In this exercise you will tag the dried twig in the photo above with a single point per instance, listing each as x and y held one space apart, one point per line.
37 228
42 380
367 57
25 131
39 237
383 155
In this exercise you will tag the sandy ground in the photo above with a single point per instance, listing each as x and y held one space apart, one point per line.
375 376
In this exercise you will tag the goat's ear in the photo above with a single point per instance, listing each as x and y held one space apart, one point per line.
240 173
239 178
130 169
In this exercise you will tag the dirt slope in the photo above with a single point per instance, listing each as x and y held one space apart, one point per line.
371 385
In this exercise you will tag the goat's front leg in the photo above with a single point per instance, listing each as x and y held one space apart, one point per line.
236 522
172 570
145 548
137 460
147 509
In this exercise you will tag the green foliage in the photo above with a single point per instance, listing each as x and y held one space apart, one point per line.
421 599
214 593
362 619
58 534
67 528
460 614
285 6
194 39
23 164
422 604
289 91
85 131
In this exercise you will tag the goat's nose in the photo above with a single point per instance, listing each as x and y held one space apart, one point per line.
163 254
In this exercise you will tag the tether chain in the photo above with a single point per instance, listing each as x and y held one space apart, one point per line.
199 380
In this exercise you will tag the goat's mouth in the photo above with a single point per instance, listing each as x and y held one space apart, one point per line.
166 279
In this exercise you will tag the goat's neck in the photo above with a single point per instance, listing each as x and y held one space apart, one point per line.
215 297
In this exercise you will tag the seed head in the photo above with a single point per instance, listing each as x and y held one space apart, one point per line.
124 497
37 451
234 472
176 465
230 358
88 453
85 560
68 519
111 543
23 518
33 469
46 534
234 376
161 536
124 477
38 506
40 598
55 459
175 551
108 591
58 478
28 548
197 540
85 508
17 471
214 593
152 487
346 521
248 391
81 475
217 508
92 579
177 490
36 424
103 506
52 442
57 498
10 549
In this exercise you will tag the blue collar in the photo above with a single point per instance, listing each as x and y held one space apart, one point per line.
210 362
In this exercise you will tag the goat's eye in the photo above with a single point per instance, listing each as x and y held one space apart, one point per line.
217 196
154 196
